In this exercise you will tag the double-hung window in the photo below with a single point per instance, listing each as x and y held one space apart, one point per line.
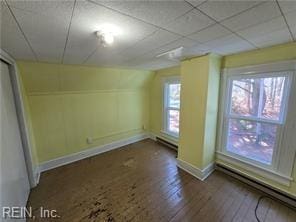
171 109
256 120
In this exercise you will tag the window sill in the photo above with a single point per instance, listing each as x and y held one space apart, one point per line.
266 173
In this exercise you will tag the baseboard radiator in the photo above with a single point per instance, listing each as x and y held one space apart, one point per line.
275 194
166 143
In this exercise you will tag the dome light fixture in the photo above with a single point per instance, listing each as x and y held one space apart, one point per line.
106 38
107 33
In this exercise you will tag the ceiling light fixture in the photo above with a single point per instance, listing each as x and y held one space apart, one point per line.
106 34
106 38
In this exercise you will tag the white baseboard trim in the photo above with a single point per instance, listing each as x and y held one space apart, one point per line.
200 174
152 136
51 164
36 176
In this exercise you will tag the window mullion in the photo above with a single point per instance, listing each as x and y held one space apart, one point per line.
253 119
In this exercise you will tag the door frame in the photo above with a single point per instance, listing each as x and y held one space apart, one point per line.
20 111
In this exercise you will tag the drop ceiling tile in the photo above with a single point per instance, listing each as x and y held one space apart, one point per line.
154 41
254 16
228 45
210 33
155 64
291 19
45 28
45 7
190 48
88 18
189 23
182 42
288 6
220 10
12 40
272 38
154 12
268 33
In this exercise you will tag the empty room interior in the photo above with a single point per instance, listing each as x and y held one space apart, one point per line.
158 110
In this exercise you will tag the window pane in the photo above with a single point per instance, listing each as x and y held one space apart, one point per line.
173 121
245 97
272 97
252 140
174 95
258 97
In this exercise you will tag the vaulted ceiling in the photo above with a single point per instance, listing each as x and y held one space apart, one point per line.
63 31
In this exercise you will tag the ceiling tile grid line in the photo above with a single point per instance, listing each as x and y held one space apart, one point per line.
123 50
237 32
224 26
224 18
141 20
285 20
131 59
159 27
200 4
90 55
21 30
240 12
68 32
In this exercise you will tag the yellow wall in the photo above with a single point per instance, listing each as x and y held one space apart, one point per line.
267 55
211 111
156 102
271 54
29 126
189 128
199 106
67 104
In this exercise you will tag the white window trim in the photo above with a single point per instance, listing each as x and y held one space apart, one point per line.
281 169
166 81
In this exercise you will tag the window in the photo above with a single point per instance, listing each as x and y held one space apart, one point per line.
172 88
255 115
256 131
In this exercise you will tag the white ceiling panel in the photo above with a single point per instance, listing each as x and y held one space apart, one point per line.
156 40
189 23
220 10
12 40
88 18
182 42
272 38
229 45
268 33
146 29
45 25
155 64
211 33
254 16
288 5
291 19
154 12
187 45
196 50
106 59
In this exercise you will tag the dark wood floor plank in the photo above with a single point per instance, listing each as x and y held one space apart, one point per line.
141 182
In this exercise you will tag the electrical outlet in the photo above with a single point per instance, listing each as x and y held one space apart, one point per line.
89 140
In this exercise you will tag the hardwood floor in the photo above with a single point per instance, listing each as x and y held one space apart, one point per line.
141 182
